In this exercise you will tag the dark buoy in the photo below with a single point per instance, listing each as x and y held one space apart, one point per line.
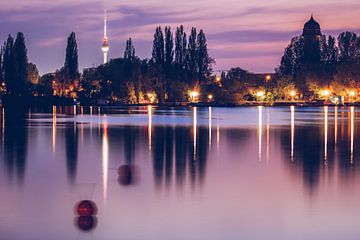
86 208
86 223
128 174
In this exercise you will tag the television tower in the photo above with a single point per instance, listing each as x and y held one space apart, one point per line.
105 45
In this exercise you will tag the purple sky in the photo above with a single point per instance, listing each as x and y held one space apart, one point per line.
249 34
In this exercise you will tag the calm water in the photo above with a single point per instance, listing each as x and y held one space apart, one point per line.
187 173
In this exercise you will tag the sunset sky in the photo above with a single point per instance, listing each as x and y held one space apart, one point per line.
249 34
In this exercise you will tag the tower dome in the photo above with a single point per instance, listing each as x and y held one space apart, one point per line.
312 28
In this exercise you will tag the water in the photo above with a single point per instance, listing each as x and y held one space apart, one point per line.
187 173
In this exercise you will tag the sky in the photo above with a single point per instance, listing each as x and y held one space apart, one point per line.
247 34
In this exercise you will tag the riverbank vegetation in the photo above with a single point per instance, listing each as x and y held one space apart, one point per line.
180 71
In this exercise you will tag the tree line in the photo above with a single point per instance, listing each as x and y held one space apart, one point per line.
177 63
17 74
338 68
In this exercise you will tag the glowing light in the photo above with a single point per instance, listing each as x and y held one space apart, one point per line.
267 135
210 125
105 157
194 96
292 109
210 97
260 131
325 132
149 110
54 129
336 125
292 93
195 130
260 94
352 93
351 135
268 77
325 93
218 78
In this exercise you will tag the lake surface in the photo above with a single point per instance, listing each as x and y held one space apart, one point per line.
186 173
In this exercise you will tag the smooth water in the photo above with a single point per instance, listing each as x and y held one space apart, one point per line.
186 173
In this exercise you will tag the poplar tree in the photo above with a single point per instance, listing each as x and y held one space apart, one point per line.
129 53
71 65
158 54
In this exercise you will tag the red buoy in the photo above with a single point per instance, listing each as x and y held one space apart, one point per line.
86 208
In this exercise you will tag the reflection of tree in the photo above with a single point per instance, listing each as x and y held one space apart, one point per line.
71 145
168 141
129 144
309 152
15 142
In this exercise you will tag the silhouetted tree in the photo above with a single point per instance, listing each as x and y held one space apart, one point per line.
203 60
180 46
348 46
169 47
21 59
10 66
71 65
158 54
192 54
129 53
1 64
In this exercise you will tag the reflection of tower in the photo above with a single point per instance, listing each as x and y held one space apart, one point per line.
105 45
312 34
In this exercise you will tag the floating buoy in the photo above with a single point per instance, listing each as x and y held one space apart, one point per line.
86 208
128 174
86 223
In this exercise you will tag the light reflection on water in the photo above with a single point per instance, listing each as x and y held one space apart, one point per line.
186 173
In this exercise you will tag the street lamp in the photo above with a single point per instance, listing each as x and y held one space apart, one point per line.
210 97
194 95
292 94
325 93
267 79
260 94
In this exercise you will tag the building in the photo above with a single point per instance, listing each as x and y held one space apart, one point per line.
312 35
105 45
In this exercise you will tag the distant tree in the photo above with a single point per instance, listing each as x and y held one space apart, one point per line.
33 75
333 51
71 65
192 57
9 66
21 59
169 47
348 46
204 61
129 53
1 64
293 57
158 54
180 46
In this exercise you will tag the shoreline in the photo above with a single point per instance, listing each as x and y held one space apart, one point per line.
31 101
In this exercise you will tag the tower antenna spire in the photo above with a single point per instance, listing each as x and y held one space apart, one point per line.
105 25
105 45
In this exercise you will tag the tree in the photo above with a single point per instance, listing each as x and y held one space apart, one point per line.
348 46
192 57
169 47
203 59
71 65
180 46
1 64
32 74
158 54
129 53
293 57
21 59
10 66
